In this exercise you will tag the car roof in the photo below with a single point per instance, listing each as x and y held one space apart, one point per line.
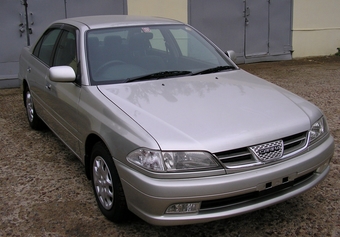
104 21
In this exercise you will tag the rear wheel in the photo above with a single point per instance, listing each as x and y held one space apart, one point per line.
33 119
106 184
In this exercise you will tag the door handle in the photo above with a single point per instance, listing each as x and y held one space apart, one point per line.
29 69
48 87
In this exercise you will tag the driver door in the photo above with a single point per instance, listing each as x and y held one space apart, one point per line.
63 98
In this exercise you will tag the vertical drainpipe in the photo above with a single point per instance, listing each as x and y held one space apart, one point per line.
26 18
65 8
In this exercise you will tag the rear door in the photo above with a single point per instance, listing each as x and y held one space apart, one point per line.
38 68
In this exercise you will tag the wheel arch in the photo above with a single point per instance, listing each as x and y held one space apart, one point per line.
24 87
91 140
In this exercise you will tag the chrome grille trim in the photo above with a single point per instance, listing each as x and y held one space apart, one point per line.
295 143
243 158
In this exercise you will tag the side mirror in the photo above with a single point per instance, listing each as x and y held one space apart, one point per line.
231 54
62 74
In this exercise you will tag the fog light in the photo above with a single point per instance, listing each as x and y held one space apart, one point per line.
322 167
183 208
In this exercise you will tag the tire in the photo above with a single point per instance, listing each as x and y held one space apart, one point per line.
33 119
106 185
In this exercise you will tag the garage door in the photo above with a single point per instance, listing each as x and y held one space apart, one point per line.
40 13
257 30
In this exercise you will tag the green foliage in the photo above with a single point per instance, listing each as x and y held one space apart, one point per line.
338 53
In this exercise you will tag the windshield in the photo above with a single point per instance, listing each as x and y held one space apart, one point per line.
125 54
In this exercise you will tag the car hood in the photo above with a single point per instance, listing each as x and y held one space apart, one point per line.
212 112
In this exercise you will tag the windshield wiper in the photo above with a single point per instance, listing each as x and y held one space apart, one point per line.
214 69
158 75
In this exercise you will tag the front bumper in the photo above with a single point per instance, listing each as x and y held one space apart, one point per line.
149 197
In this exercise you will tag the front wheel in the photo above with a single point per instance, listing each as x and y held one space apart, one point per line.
106 184
33 119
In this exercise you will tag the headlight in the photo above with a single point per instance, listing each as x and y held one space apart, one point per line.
317 130
171 161
148 159
188 160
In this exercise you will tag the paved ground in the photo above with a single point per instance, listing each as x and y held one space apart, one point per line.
44 192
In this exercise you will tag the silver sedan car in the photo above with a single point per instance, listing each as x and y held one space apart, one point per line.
165 123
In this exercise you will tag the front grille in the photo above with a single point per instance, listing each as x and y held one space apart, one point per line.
243 157
294 143
253 196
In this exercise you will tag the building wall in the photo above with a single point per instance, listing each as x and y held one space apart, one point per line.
316 27
175 9
315 31
13 34
257 30
315 24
